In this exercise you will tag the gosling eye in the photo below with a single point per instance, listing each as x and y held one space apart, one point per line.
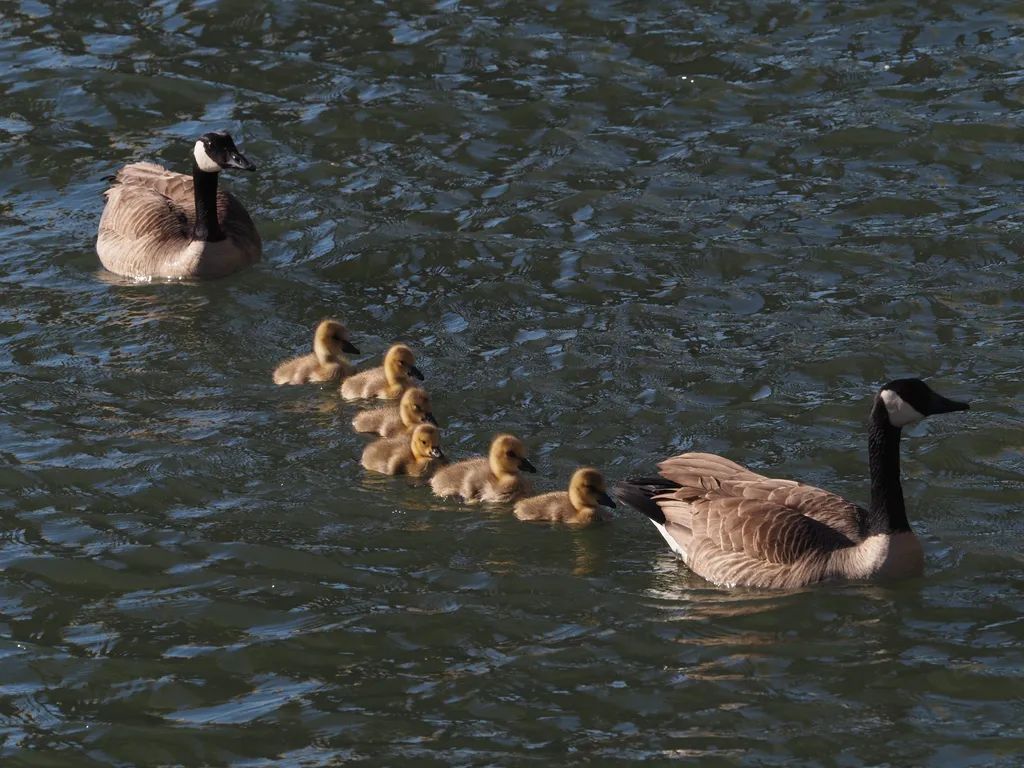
417 408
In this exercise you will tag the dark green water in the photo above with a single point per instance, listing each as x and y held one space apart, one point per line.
618 229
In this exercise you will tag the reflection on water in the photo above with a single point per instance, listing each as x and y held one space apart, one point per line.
617 230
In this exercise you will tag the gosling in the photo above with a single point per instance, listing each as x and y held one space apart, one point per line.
325 363
392 421
581 505
386 382
418 455
498 477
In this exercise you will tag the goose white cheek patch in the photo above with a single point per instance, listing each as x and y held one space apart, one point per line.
900 411
204 161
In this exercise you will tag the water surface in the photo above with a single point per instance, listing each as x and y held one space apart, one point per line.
620 230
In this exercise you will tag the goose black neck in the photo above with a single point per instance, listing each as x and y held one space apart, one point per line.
888 514
207 226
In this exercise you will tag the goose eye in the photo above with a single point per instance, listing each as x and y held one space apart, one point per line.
511 454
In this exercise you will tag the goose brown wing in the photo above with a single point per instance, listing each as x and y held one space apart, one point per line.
824 507
734 526
763 531
703 473
141 213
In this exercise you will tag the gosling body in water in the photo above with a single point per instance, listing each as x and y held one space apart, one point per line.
580 505
497 477
417 454
326 363
386 382
735 527
161 224
390 420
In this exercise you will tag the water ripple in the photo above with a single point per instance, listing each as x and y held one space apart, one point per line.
618 229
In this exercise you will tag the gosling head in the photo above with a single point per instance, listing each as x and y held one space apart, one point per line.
426 442
216 151
415 408
400 364
905 401
331 339
587 489
508 456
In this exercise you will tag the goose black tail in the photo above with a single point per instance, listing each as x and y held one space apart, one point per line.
639 494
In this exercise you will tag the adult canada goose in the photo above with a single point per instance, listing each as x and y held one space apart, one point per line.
393 420
386 382
157 223
326 363
495 477
735 527
417 454
580 505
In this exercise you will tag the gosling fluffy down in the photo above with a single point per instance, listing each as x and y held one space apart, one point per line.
418 454
497 478
580 505
325 363
391 421
386 382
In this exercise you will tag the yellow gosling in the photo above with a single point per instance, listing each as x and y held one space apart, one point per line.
386 382
391 420
418 454
580 505
497 477
326 362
